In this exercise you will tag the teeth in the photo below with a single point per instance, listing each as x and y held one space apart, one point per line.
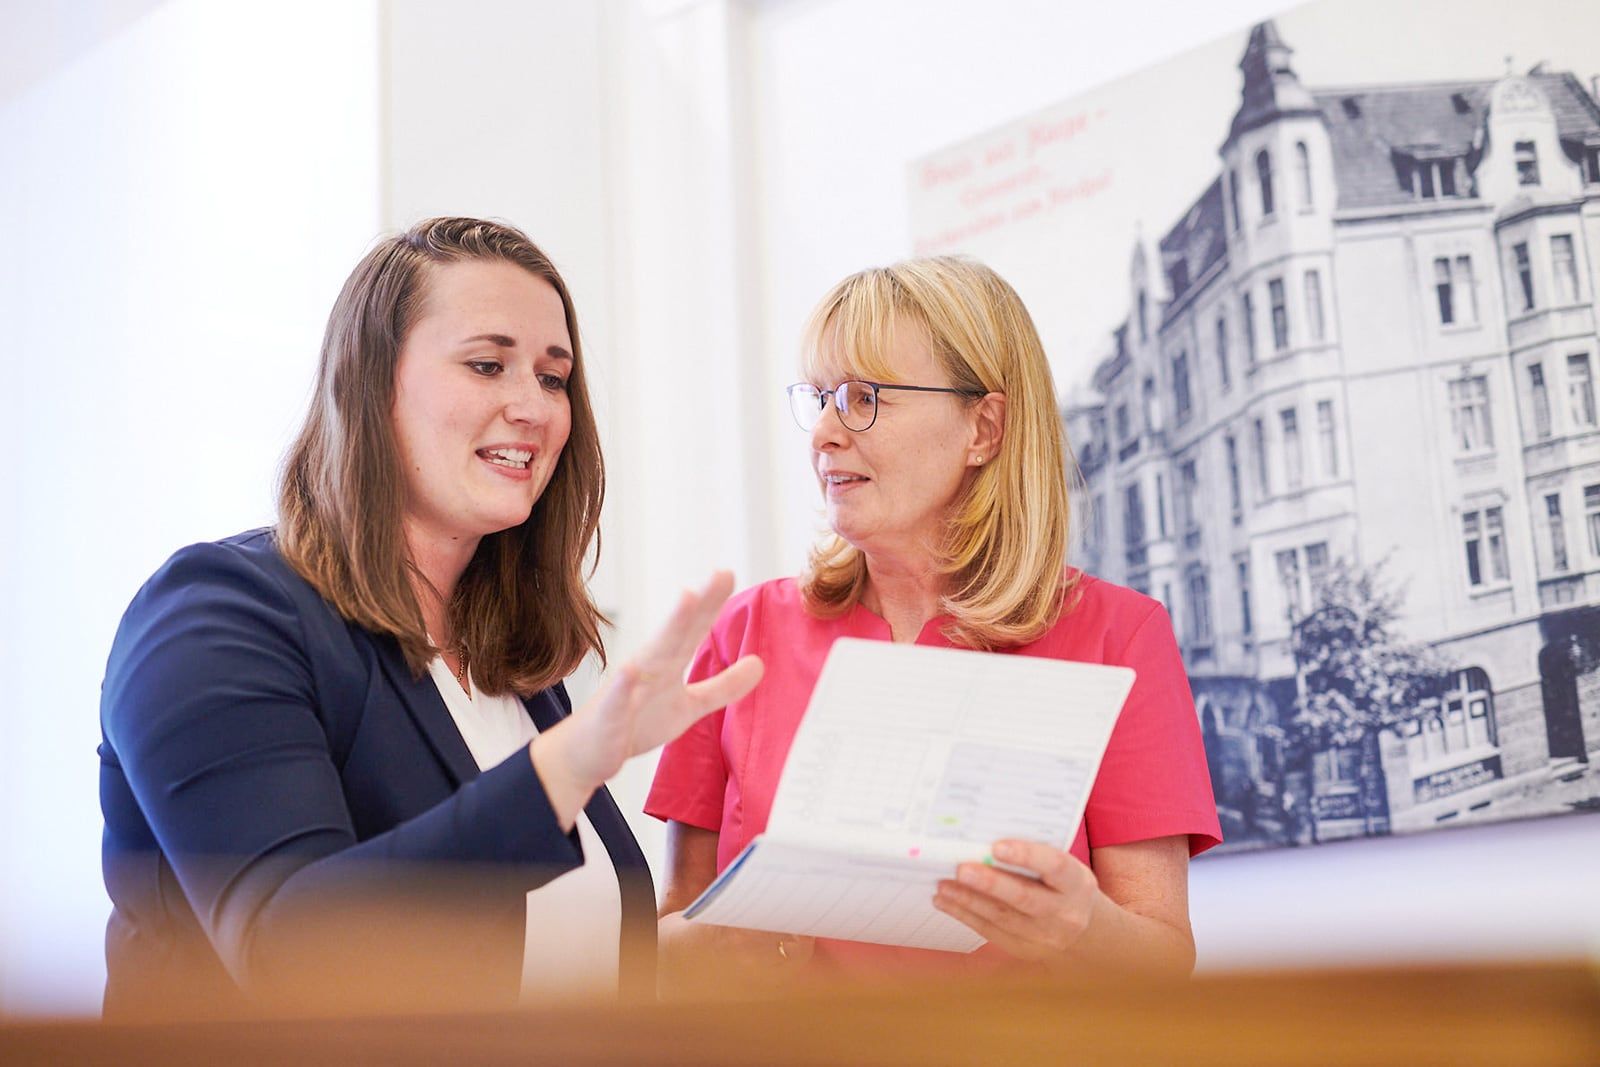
507 457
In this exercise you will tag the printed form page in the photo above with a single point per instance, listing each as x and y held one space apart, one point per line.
908 761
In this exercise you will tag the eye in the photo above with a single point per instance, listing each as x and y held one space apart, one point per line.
486 368
553 383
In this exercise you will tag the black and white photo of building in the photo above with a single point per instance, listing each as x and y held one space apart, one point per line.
1348 434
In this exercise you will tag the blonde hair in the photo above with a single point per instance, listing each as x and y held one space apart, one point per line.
1005 543
521 608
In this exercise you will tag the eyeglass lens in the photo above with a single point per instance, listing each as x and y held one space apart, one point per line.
856 402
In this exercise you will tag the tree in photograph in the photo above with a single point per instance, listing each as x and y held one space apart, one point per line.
1356 676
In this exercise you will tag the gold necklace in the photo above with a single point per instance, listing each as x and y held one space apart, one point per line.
461 670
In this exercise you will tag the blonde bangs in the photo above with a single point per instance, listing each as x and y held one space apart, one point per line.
852 330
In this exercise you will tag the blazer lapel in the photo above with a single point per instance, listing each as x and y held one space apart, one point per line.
426 707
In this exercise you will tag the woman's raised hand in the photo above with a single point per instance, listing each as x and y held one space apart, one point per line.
643 704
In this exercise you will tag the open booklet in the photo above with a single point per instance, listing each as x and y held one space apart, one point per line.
910 760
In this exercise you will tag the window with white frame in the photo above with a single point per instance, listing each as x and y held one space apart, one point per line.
1328 437
1199 616
1302 160
1293 465
1152 406
1264 180
1591 508
1527 158
1316 569
1463 721
1124 423
1289 581
1263 483
1580 389
1280 314
1433 178
1188 496
1182 399
1235 489
1483 535
1556 530
1456 289
1241 571
1132 516
1564 268
1315 321
1233 199
1161 505
1223 370
1539 398
1591 164
1248 312
1469 414
1523 265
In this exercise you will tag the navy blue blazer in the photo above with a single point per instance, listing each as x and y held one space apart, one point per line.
274 779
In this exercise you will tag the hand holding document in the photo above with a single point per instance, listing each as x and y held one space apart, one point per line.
909 761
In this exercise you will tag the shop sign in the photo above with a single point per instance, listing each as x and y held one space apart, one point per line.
1458 779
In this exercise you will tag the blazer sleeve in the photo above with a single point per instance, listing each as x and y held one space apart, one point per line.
210 705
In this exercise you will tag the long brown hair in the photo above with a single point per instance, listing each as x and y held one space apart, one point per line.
1006 535
521 608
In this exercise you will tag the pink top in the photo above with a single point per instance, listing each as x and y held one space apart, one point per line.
722 774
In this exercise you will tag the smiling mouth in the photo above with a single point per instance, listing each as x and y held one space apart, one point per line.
514 458
842 479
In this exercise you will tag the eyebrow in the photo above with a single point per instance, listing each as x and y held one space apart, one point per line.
500 340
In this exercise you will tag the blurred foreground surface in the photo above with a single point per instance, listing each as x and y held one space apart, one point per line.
1546 1013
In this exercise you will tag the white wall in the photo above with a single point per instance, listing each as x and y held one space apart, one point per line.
179 205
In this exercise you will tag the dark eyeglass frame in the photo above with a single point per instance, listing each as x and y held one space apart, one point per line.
837 393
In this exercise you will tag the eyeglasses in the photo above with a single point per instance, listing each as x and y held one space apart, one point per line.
856 401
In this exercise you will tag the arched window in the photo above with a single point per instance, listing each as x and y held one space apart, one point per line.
1302 156
1264 176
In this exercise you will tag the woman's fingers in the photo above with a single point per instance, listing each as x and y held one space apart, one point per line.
723 689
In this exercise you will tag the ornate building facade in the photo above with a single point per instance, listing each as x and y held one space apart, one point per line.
1371 338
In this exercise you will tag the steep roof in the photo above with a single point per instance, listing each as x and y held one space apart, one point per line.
1368 125
1196 243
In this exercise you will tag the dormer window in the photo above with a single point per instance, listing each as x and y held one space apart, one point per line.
1527 158
1460 103
1433 178
1351 106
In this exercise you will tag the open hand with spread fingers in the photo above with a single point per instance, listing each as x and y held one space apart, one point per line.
1032 919
643 704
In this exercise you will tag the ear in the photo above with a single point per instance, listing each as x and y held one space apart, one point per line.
988 429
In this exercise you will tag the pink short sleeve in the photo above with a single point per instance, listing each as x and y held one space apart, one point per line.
1153 781
692 776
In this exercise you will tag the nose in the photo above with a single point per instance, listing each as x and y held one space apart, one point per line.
829 432
527 402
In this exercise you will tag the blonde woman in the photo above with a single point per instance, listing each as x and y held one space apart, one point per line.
938 450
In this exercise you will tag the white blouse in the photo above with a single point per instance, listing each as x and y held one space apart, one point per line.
574 921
